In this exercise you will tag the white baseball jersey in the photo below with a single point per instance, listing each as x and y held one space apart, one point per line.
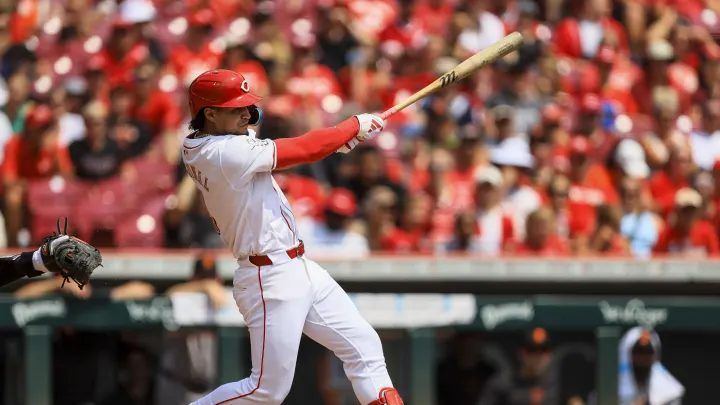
245 203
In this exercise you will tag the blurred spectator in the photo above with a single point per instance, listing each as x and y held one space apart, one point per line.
582 37
132 136
687 233
666 135
409 234
541 239
642 378
607 239
483 28
205 279
18 101
135 378
628 161
513 158
193 54
73 97
6 133
465 230
558 191
334 236
665 184
96 157
639 225
533 383
129 290
459 180
189 359
369 173
494 229
705 185
153 106
705 141
35 155
464 372
380 208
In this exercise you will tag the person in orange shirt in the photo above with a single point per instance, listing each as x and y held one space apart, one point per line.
36 154
688 234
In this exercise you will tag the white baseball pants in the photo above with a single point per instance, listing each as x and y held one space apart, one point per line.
280 302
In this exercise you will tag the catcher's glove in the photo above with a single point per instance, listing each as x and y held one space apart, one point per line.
71 257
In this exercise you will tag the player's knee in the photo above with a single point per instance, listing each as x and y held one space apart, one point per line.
371 338
274 387
272 395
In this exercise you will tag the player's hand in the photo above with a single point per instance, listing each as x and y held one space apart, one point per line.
370 126
350 145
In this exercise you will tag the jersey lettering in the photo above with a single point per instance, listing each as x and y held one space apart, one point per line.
198 176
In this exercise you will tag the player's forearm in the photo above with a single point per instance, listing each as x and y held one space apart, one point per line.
16 267
314 145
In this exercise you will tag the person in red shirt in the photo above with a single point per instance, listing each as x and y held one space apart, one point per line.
590 186
664 184
433 16
540 237
154 107
461 179
36 154
125 50
688 234
582 37
413 225
196 53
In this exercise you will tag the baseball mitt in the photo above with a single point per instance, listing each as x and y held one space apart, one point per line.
69 256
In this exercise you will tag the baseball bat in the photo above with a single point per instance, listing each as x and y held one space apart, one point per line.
488 55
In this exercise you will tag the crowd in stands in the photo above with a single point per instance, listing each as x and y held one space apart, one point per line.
601 135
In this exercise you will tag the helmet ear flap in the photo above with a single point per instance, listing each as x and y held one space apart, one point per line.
256 115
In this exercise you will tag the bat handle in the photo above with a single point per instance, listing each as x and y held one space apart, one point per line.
388 113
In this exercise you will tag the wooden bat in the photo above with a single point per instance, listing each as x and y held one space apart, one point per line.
464 69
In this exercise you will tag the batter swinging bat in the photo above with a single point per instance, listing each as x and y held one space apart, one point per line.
464 69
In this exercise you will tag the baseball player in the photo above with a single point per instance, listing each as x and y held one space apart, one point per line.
281 293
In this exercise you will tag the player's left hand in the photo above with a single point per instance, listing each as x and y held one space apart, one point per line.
370 126
71 257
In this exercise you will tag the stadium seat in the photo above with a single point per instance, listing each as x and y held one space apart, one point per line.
142 227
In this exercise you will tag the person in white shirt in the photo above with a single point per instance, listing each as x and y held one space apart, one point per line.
280 292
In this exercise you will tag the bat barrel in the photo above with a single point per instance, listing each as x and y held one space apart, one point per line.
486 56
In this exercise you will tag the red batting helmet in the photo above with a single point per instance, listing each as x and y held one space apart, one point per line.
220 88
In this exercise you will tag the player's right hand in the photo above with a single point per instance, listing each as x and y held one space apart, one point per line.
370 126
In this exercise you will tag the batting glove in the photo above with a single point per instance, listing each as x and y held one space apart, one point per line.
370 126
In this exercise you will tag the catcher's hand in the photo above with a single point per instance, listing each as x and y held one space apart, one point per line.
71 257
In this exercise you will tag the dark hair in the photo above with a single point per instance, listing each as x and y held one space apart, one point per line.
197 123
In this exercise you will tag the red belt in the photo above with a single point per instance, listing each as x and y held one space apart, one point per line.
262 260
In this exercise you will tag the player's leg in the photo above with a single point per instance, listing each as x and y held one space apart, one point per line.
335 322
274 301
